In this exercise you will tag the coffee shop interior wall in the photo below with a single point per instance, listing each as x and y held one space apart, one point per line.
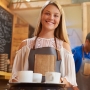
20 30
3 83
77 14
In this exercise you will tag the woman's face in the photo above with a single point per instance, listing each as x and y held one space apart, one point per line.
50 17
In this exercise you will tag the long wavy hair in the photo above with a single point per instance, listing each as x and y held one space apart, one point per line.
60 32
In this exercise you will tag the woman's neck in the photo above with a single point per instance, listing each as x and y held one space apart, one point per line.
46 34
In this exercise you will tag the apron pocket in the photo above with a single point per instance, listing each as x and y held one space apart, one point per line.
44 63
86 69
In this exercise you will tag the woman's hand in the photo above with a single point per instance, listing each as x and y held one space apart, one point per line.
13 80
68 84
63 80
75 88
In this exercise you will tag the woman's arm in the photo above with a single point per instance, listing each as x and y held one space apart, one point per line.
23 43
18 61
69 69
67 46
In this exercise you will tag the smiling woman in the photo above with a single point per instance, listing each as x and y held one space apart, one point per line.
51 41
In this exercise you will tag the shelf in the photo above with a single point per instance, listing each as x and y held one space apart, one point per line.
4 75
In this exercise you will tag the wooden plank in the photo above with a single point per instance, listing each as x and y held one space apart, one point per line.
21 30
88 18
7 75
17 43
4 4
4 75
20 36
84 21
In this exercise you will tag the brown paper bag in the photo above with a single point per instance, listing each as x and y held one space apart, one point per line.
44 63
86 69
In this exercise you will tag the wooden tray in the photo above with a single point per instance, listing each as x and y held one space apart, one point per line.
60 85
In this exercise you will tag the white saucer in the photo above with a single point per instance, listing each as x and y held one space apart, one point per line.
35 82
53 83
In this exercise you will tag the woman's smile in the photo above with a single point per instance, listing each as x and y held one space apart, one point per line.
50 22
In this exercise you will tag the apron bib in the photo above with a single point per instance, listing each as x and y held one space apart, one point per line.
83 75
43 51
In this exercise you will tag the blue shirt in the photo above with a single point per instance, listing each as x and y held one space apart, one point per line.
78 55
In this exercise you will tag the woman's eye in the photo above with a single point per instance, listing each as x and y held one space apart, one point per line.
47 13
56 16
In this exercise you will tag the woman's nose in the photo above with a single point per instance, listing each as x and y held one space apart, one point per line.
51 17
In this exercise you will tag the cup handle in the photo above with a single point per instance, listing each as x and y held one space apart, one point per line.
51 77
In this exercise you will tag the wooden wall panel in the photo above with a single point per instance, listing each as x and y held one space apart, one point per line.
20 33
88 20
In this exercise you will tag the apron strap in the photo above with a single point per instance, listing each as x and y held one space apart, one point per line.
58 56
34 43
83 52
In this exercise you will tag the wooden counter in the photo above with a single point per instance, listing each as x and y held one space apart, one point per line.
4 75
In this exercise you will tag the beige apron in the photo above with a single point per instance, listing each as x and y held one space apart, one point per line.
46 58
83 75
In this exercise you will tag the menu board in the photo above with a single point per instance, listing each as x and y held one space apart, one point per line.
6 24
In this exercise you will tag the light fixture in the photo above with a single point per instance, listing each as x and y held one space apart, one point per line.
28 0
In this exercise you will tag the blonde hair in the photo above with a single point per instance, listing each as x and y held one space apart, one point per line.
60 32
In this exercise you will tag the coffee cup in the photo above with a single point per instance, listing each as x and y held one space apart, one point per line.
37 77
25 76
52 77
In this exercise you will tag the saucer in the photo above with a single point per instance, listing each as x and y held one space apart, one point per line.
35 82
53 83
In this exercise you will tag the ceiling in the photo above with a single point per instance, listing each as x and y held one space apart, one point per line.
29 11
31 16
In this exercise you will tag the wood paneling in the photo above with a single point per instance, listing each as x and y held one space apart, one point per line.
86 19
20 33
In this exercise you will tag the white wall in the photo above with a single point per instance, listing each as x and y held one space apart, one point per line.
74 22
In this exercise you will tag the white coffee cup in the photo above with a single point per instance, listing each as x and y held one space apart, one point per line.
52 77
25 76
37 77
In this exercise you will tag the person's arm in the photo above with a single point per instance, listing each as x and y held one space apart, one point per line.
77 55
67 47
18 61
22 44
68 84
